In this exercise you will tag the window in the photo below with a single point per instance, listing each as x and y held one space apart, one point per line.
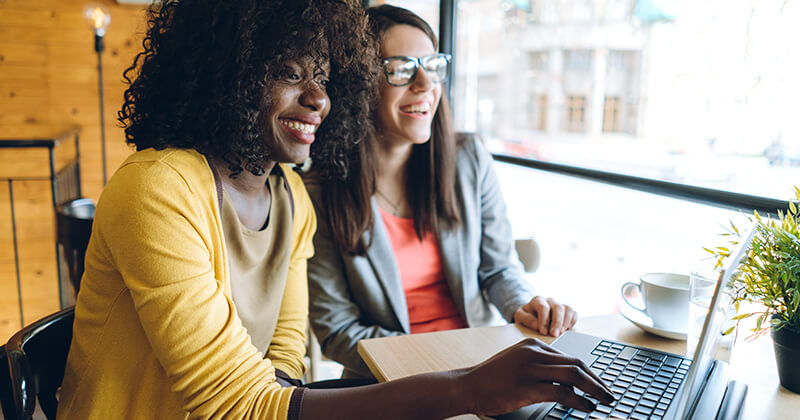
611 114
649 91
579 61
576 108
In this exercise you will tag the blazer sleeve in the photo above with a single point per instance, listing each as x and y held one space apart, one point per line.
288 345
336 319
159 237
499 272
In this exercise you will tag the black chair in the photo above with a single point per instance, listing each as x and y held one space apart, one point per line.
73 229
6 400
37 355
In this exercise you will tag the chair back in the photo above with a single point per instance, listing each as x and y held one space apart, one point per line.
6 401
37 356
73 229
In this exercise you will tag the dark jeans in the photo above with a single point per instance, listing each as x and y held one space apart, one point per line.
284 380
340 383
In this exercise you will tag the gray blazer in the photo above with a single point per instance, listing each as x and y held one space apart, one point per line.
358 297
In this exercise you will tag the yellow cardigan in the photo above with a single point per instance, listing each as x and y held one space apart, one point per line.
156 333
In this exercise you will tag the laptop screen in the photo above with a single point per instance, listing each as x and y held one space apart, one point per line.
711 343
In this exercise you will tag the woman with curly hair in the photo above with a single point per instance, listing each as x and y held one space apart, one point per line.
194 299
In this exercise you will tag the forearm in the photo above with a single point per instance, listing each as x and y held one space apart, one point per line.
427 396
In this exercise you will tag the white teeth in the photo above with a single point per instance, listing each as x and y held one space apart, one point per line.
423 107
297 125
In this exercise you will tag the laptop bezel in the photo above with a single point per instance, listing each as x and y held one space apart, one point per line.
687 397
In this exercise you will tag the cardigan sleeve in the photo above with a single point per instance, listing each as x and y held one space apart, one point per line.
289 340
162 238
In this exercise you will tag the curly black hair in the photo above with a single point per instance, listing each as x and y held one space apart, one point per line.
203 78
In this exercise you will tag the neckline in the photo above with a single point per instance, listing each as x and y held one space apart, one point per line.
226 198
384 214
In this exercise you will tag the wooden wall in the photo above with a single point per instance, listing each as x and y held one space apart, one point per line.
48 75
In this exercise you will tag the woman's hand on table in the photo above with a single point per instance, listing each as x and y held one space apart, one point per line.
546 316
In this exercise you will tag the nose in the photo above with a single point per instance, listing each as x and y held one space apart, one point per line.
314 97
422 83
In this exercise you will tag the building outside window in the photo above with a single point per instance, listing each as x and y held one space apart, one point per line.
687 92
576 110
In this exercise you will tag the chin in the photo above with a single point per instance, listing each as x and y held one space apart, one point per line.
296 156
421 139
298 159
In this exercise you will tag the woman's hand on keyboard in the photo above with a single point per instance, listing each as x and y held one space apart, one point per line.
531 372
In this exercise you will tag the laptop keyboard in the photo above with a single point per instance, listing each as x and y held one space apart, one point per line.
644 383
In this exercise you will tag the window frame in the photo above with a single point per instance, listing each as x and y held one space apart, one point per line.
714 197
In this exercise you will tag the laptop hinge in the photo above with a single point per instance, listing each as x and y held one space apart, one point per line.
706 406
733 401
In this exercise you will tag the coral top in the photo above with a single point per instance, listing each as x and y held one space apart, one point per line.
430 303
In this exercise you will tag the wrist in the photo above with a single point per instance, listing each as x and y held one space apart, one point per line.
462 392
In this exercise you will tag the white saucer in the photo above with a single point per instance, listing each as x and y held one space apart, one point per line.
644 322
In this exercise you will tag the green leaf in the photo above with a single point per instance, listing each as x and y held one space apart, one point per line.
729 330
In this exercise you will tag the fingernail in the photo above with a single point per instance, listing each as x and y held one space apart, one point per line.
610 398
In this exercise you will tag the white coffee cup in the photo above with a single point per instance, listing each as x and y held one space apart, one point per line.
666 299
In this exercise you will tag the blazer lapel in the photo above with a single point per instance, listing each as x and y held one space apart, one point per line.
381 257
450 243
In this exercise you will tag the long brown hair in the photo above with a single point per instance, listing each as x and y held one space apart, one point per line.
431 181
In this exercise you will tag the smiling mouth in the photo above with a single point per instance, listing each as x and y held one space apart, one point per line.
300 126
422 108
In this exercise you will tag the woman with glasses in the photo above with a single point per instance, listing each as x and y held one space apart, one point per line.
416 237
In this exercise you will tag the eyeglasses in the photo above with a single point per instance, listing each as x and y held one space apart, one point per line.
402 70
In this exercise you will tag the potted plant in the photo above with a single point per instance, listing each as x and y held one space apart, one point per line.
770 275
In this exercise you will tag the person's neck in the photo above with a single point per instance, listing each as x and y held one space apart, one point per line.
392 172
392 163
245 183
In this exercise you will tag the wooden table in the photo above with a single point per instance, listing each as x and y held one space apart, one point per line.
40 167
396 357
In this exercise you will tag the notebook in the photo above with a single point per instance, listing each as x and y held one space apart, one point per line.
652 384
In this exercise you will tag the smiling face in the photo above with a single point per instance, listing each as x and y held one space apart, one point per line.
405 113
298 105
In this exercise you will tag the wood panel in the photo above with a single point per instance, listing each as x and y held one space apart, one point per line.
9 305
24 162
35 222
64 153
48 75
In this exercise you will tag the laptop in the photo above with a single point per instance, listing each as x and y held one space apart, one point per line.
652 384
